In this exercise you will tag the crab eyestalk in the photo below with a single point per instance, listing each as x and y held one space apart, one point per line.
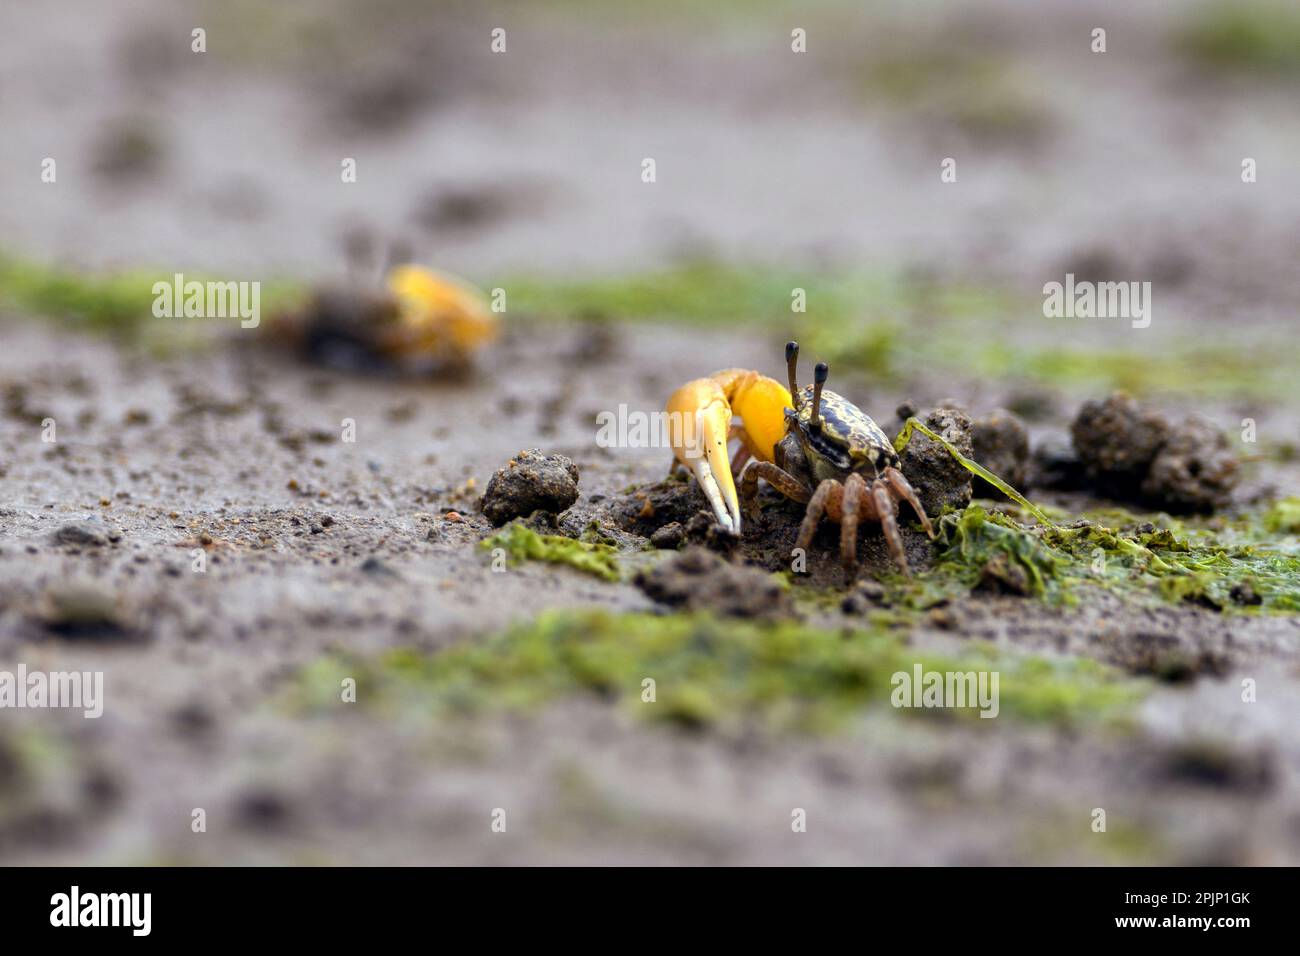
820 374
791 367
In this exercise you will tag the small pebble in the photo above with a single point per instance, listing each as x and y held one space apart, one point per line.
83 533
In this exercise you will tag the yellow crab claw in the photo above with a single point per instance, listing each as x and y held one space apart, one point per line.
700 415
760 402
699 426
439 313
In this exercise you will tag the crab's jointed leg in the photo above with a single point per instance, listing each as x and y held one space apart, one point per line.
902 489
886 512
827 498
700 425
848 503
775 476
855 496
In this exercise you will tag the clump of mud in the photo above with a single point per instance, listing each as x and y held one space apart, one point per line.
1194 471
865 596
1001 444
1116 441
939 479
672 514
531 481
1133 453
701 530
650 509
85 534
669 537
699 580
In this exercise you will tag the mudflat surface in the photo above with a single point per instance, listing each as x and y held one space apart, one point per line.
529 163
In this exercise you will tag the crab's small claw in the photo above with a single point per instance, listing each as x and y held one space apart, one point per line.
699 426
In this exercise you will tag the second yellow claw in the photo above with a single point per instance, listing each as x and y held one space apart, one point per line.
439 316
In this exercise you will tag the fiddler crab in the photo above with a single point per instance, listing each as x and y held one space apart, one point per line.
810 444
419 319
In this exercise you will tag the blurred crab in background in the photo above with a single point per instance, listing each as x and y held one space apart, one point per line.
417 321
811 444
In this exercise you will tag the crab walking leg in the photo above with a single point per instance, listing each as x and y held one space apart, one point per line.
902 489
825 498
782 481
885 511
700 423
773 474
855 492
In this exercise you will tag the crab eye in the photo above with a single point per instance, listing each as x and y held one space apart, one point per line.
820 374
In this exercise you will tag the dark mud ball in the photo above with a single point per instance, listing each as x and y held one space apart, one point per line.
531 481
1195 470
1117 440
669 537
648 508
699 580
939 479
1001 444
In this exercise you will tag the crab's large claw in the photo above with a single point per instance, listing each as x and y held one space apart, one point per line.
699 426
761 403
